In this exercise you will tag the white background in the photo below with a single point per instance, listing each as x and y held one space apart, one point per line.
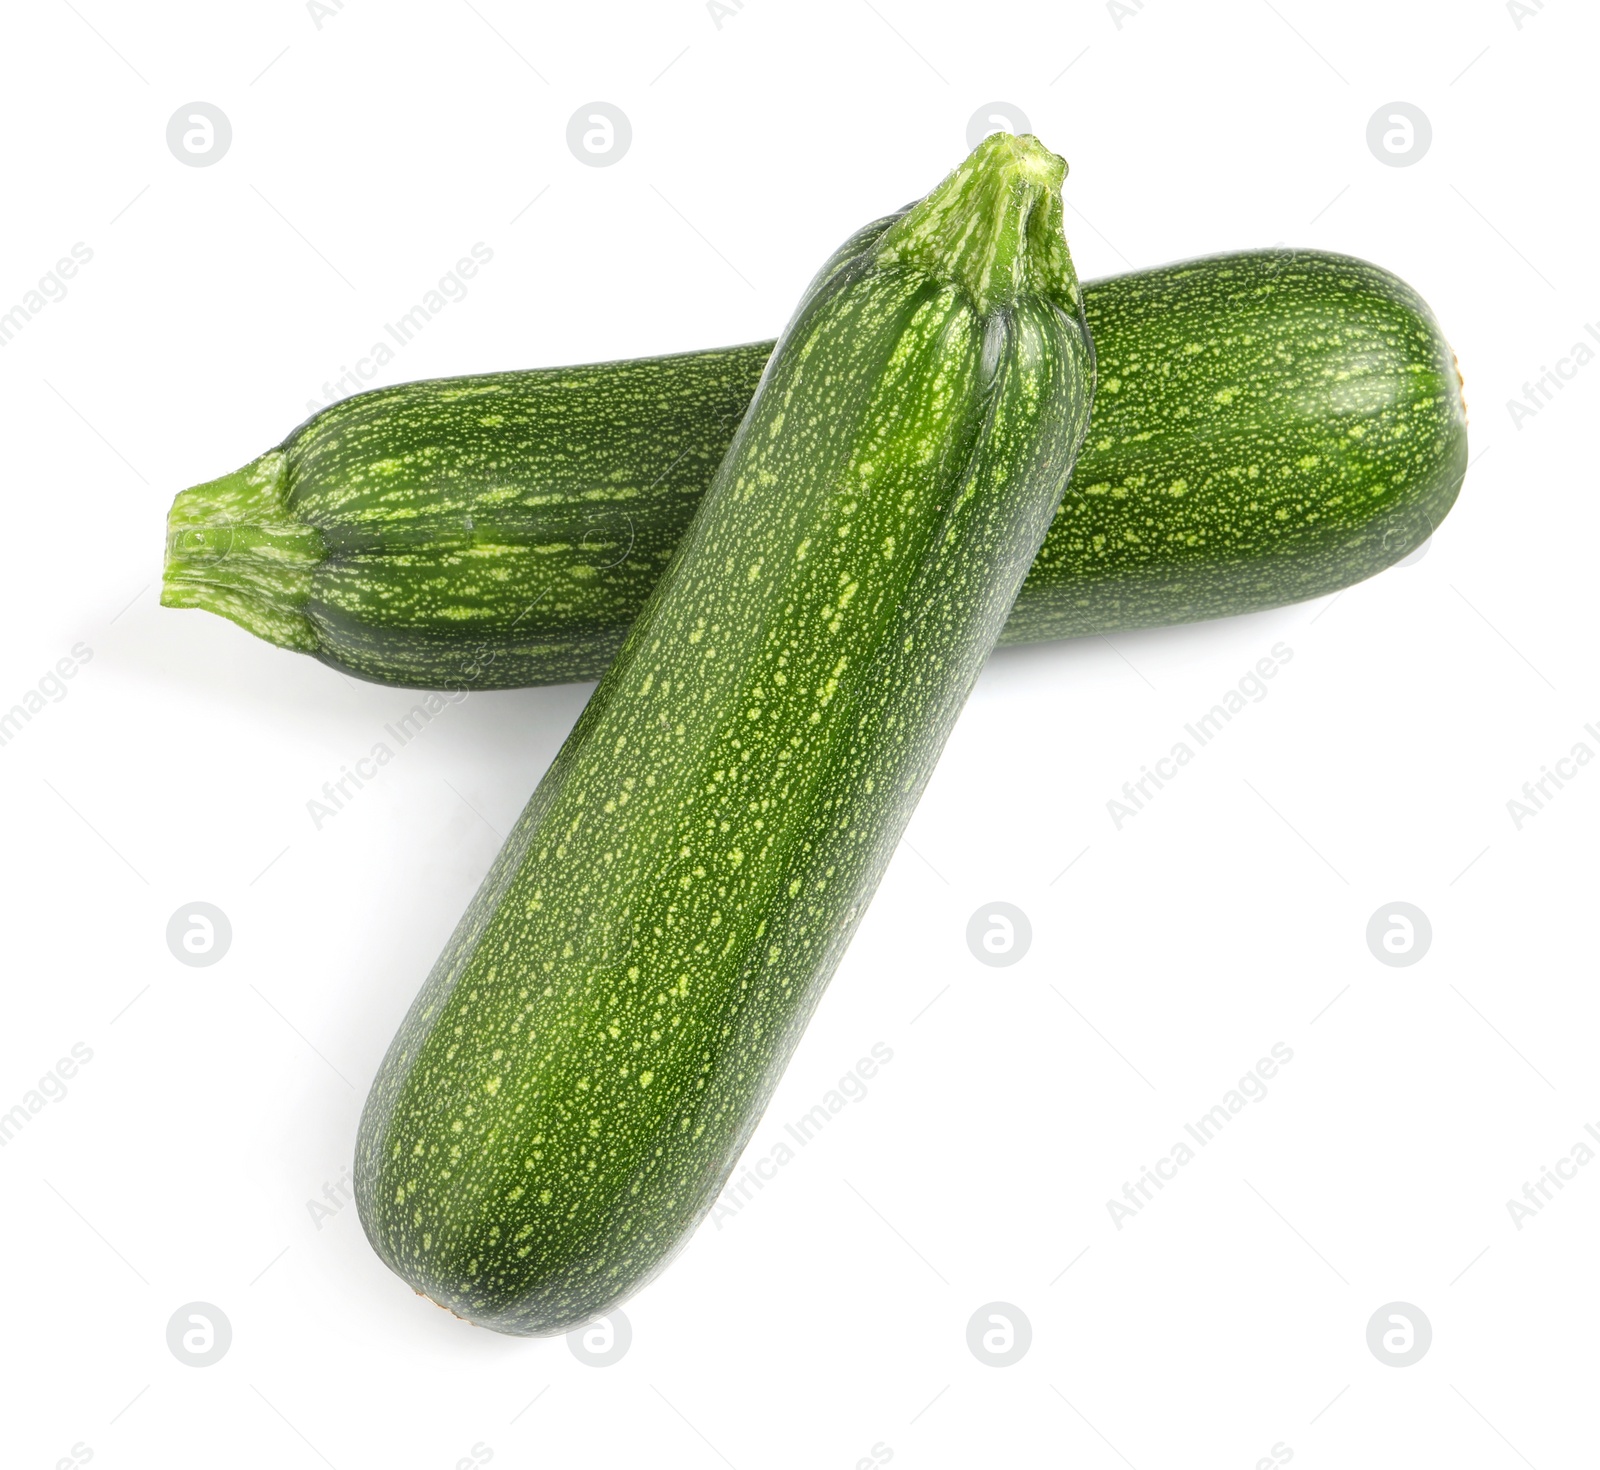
828 1316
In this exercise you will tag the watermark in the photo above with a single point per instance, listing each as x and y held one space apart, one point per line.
1537 1195
1399 1334
80 1454
1538 793
1280 1454
199 934
999 934
1251 1088
1521 10
50 688
338 793
1541 392
603 1343
804 1130
479 1454
721 10
999 1334
51 287
1412 558
996 117
199 1334
879 1454
51 1088
449 290
1251 689
199 134
321 10
335 1196
1124 10
1399 134
1399 934
599 134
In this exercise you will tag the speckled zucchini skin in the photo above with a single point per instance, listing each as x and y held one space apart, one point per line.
591 1052
466 533
1268 427
1275 426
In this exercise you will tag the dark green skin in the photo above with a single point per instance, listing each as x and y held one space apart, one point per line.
624 453
1267 428
1272 426
592 1050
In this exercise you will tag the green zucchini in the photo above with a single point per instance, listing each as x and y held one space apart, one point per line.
591 1052
1273 426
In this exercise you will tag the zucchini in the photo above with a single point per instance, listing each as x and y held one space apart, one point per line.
1273 426
591 1052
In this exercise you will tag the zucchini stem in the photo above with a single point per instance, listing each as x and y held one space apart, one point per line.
994 226
234 549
